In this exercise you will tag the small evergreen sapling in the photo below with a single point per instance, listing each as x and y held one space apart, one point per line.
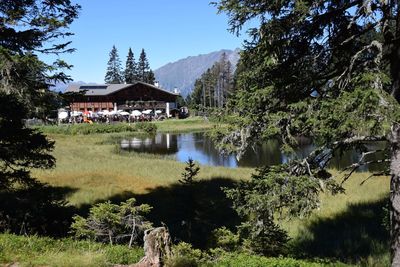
190 202
191 171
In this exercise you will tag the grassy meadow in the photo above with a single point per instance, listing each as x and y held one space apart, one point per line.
94 170
91 168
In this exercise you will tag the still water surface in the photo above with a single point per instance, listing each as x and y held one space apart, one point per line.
201 148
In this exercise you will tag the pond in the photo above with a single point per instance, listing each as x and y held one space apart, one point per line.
201 148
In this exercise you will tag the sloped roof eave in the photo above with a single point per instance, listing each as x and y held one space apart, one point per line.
118 87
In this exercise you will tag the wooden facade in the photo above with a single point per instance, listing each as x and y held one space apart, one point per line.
125 97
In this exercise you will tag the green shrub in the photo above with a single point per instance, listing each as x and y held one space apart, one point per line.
85 129
146 127
118 254
3 257
248 260
184 256
225 239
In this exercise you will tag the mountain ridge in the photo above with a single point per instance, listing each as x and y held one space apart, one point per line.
182 73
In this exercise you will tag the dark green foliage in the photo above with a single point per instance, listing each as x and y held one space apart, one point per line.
184 255
288 88
28 28
146 127
29 25
317 69
145 74
21 148
130 72
114 71
28 78
191 171
27 206
225 239
150 79
143 66
272 194
113 224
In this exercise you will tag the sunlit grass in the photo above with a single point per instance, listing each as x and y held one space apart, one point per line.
347 227
371 191
42 251
185 125
91 166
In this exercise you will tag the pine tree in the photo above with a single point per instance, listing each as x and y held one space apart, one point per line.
143 67
130 72
113 75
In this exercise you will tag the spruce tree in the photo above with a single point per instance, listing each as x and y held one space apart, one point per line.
143 67
130 72
113 75
329 70
29 29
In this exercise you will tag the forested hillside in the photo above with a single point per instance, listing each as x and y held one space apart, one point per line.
183 73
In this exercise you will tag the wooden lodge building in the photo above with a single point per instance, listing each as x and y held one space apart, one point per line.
127 97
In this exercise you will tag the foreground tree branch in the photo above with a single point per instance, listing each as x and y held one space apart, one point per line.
327 70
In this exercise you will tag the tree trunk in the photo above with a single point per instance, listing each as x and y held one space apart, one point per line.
393 41
157 248
395 195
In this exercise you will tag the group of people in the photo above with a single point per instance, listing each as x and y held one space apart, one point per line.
100 117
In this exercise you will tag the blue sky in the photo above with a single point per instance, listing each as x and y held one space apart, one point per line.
167 30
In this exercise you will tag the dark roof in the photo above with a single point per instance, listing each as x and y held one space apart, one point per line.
106 89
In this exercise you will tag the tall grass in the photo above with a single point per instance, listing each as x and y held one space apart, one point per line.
43 251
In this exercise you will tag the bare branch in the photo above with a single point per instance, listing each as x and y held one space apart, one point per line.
373 175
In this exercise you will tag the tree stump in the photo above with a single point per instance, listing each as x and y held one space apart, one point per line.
157 247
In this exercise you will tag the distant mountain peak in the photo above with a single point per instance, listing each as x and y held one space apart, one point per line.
182 73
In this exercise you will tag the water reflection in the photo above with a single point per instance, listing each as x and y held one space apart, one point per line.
202 149
163 144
